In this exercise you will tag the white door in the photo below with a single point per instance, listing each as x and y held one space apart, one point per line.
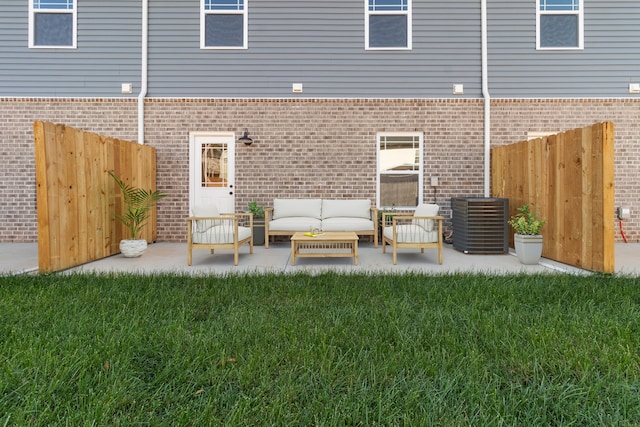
211 165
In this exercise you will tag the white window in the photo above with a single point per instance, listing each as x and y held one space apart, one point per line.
223 24
535 134
400 171
559 24
387 24
52 23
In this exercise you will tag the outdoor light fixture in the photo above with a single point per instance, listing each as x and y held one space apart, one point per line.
245 138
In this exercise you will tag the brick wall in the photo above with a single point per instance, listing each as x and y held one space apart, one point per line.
314 148
306 148
18 214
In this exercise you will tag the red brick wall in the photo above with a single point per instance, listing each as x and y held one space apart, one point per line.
306 148
18 211
314 148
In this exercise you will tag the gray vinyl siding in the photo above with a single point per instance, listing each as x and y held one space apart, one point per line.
108 53
609 61
319 44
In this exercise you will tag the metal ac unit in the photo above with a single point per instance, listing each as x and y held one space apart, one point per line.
480 225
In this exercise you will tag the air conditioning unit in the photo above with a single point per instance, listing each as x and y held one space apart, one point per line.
480 225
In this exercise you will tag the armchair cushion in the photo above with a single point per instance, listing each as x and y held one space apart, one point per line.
426 210
221 234
411 233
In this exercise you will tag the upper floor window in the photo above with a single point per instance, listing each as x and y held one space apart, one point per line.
52 23
387 24
559 24
223 24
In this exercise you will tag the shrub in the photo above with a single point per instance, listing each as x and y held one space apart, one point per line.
526 222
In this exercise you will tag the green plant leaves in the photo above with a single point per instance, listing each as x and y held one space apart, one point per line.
526 222
138 202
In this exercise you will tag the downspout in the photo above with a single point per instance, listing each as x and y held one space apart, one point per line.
144 65
487 100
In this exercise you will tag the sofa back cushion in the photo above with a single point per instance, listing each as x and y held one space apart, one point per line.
426 210
346 208
284 208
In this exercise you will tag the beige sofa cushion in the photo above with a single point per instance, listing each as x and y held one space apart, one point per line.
286 208
347 224
346 208
294 223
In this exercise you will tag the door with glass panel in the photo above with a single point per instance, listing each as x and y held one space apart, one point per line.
211 164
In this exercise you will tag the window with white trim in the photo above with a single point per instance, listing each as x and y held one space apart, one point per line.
52 24
535 134
387 24
223 24
559 24
400 169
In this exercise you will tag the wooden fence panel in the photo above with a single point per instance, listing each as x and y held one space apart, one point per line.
77 199
569 179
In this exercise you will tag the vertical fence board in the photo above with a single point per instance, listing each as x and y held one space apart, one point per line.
76 197
42 182
108 203
551 210
608 198
82 222
572 148
589 220
568 179
58 214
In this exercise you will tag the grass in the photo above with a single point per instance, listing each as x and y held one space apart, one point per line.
325 350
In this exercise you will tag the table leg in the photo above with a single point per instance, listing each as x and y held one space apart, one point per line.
293 252
355 252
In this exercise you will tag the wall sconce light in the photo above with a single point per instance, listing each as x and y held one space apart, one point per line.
245 138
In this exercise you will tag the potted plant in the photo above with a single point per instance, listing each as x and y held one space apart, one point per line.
527 238
258 222
137 206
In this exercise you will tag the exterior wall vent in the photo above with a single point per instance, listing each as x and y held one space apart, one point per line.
480 225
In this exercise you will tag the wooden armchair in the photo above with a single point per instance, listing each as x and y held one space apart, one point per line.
208 229
403 230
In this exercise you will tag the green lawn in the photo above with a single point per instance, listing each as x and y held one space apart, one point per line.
325 350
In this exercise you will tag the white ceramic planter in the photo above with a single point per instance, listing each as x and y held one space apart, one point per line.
132 248
528 248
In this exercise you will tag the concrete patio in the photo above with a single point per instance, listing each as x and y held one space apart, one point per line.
19 258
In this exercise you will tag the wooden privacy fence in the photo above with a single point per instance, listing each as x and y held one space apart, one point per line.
76 197
569 179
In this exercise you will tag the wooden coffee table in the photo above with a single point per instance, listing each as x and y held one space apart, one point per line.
328 244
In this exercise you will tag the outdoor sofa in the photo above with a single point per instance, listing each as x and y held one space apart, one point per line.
288 216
